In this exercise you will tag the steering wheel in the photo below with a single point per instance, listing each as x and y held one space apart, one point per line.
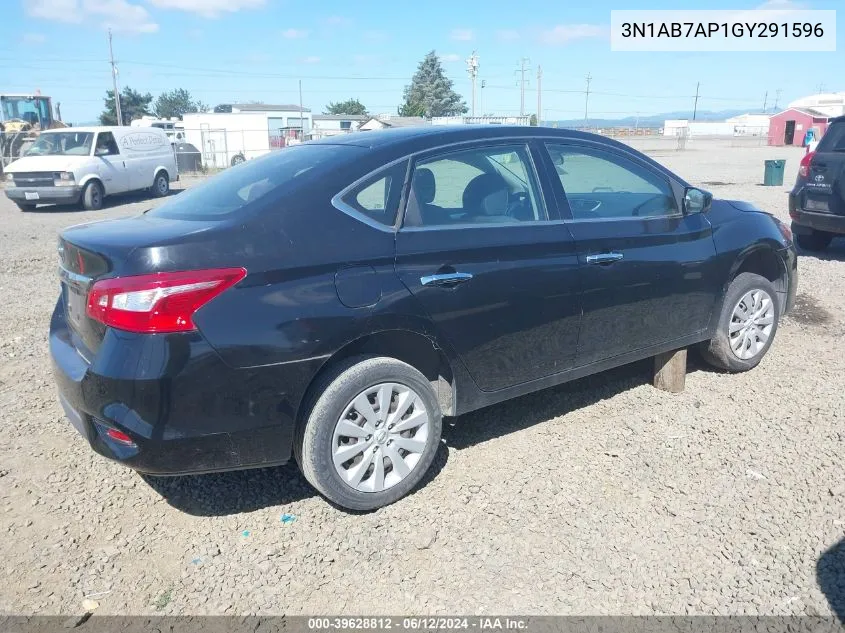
517 203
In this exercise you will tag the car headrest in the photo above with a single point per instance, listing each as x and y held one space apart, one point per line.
424 186
486 194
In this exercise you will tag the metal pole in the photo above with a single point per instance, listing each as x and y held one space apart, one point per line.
481 96
587 98
695 108
539 95
765 101
472 69
301 119
117 109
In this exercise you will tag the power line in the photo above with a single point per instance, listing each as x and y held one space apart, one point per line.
695 107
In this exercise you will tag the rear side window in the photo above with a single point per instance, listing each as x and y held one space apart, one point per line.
378 196
254 183
834 139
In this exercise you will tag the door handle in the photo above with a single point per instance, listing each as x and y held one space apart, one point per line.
604 258
445 279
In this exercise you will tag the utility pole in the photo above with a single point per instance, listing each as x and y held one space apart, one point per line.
481 96
777 98
117 110
587 97
539 95
821 88
765 101
472 69
695 108
301 118
522 82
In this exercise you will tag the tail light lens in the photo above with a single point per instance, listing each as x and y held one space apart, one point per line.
161 302
804 166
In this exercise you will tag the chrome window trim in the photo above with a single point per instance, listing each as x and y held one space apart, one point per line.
64 273
342 206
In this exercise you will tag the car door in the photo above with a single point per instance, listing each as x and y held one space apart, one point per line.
648 270
111 164
496 277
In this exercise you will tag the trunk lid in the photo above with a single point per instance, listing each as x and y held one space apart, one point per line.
118 248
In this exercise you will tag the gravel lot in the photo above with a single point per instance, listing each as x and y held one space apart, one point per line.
604 496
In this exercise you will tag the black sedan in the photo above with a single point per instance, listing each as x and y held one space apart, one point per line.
334 300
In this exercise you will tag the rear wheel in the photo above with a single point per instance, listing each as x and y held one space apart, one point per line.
92 196
371 434
747 324
161 185
814 241
25 206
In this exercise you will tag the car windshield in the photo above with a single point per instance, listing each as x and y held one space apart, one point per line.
62 144
235 189
834 139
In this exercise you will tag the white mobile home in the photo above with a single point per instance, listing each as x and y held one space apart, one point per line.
238 132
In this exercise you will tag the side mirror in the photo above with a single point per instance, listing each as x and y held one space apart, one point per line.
697 201
101 151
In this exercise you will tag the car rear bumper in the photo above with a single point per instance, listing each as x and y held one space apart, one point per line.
804 222
46 195
184 410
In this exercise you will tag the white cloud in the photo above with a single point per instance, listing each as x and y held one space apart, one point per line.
376 36
294 34
462 35
450 58
507 35
33 38
208 8
563 33
118 15
312 59
338 20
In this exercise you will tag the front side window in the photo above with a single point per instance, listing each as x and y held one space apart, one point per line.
490 185
833 140
378 196
601 185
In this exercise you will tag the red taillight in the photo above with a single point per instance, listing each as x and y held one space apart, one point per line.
119 436
161 302
804 166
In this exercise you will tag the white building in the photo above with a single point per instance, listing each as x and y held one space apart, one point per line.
750 124
385 121
247 131
334 124
481 120
743 125
831 104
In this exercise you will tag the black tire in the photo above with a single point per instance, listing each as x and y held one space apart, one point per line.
92 196
717 351
25 206
814 241
161 184
330 398
237 159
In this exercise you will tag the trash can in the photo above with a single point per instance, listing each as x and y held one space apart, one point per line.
773 175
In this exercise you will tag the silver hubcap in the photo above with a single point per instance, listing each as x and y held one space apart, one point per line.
162 184
751 324
380 438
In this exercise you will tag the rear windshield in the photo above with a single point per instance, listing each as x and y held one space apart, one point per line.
248 185
834 139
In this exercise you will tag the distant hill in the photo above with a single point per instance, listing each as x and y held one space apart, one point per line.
651 120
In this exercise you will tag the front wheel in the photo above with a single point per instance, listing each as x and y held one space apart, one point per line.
747 324
813 241
372 433
92 196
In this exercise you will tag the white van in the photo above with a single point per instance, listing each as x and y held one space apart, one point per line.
85 164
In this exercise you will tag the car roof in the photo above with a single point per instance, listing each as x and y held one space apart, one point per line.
435 135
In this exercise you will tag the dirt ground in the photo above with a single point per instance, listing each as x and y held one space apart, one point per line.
604 496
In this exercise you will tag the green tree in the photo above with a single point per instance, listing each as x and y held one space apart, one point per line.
532 120
133 105
176 103
430 93
350 106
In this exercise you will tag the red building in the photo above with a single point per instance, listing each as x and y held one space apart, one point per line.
790 126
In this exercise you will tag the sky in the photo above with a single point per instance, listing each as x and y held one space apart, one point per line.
226 51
